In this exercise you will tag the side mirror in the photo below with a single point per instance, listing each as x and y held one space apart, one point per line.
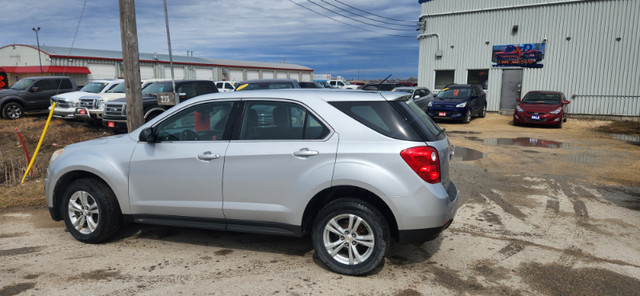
182 96
518 100
35 89
416 96
146 135
566 102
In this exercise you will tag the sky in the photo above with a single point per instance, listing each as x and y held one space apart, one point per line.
355 39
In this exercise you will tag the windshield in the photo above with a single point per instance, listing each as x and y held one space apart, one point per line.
117 89
406 90
541 98
156 87
454 93
94 87
22 84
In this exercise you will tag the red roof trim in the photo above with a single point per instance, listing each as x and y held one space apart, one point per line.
45 69
179 63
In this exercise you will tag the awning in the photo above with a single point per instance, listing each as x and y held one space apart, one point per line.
46 69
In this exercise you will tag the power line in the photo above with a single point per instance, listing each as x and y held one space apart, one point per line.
356 20
348 24
384 17
370 18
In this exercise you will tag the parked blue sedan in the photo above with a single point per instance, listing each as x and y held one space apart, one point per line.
459 102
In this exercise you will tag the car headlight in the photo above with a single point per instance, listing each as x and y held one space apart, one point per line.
462 105
75 104
430 104
99 104
519 109
55 155
557 111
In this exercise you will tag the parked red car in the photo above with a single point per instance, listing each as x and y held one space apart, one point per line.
541 107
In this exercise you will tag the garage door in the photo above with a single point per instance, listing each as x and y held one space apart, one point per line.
146 72
236 75
102 71
253 75
206 74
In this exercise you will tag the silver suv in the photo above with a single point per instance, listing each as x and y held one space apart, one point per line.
351 169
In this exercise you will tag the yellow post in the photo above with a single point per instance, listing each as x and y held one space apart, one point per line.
44 132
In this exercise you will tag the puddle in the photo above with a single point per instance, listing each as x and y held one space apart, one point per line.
467 154
624 197
463 132
631 139
474 138
525 142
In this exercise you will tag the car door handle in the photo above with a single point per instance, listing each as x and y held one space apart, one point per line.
305 152
208 156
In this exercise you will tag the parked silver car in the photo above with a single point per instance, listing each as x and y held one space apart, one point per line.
351 169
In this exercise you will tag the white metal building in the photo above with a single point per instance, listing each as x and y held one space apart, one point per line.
19 61
588 49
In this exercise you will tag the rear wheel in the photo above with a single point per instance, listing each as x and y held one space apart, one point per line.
483 113
90 211
350 237
12 110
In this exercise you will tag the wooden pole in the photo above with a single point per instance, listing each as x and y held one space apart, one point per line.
131 61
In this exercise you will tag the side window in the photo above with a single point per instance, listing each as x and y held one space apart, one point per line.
65 84
189 89
203 87
267 120
219 85
47 84
202 122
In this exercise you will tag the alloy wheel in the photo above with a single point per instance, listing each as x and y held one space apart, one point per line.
348 239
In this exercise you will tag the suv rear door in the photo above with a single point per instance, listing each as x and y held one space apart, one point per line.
281 154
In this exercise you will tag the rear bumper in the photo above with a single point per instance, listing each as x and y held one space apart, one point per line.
448 208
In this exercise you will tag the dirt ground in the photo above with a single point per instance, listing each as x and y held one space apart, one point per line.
545 212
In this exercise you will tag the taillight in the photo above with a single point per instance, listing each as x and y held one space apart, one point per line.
424 161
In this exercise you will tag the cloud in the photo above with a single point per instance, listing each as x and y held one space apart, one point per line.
268 30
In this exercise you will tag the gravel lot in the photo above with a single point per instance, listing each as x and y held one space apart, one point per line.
545 212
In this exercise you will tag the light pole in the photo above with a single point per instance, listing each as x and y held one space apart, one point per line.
38 41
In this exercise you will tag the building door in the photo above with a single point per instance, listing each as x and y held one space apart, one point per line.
511 88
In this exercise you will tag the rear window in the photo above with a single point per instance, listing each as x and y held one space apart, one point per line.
401 120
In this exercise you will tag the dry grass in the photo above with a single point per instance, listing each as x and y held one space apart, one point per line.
13 161
620 127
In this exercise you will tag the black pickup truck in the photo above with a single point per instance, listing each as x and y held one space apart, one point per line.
114 115
33 94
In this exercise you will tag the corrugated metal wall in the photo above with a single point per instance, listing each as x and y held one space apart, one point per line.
592 48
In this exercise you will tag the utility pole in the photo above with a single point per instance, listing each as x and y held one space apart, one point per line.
131 61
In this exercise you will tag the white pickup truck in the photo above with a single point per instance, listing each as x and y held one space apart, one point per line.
67 103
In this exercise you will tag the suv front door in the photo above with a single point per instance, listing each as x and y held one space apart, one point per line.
280 154
181 175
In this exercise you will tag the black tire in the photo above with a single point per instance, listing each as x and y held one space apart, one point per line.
12 110
467 117
92 206
370 238
483 113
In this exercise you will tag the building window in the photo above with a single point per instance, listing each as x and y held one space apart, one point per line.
444 78
480 77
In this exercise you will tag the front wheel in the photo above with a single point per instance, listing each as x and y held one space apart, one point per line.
91 212
350 237
467 117
12 110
